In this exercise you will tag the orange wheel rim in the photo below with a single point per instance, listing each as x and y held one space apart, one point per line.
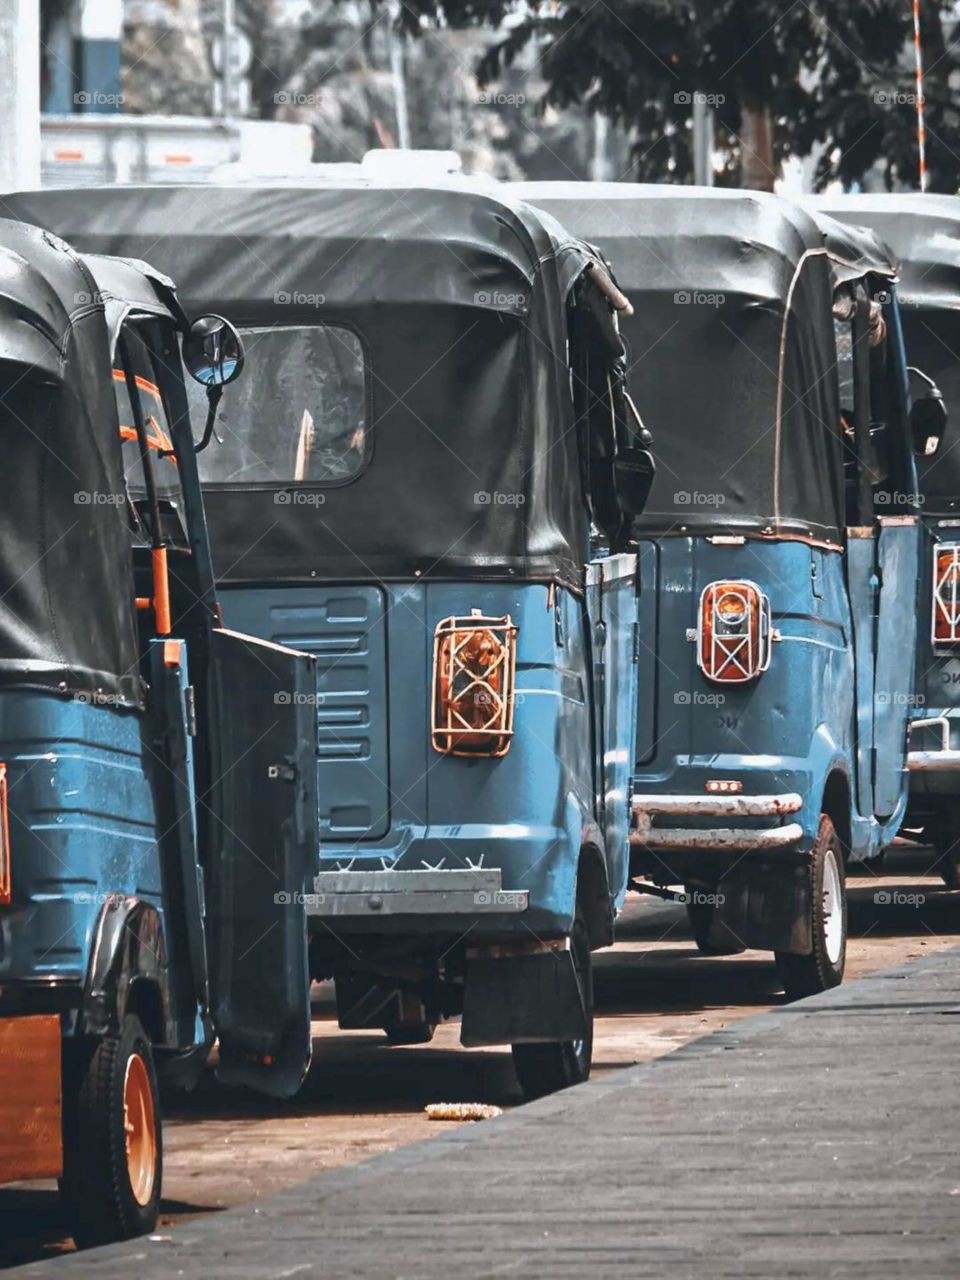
139 1126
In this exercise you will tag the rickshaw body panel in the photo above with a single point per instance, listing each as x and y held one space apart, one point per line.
82 822
525 813
787 731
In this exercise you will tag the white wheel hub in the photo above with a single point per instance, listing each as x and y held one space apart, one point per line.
832 907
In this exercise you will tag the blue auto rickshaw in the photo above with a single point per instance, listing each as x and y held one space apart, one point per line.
156 829
433 414
778 554
923 231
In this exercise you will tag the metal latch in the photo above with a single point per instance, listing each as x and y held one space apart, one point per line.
190 710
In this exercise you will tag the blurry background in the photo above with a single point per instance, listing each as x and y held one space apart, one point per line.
751 92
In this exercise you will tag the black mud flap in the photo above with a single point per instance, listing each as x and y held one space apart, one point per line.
262 848
515 999
767 906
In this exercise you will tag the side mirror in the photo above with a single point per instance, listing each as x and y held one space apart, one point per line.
213 351
928 416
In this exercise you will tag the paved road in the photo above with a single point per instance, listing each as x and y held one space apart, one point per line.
820 1139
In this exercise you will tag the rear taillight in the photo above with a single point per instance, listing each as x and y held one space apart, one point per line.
474 664
946 593
734 633
5 885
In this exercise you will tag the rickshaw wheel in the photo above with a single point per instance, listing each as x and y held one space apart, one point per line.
546 1068
823 967
113 1153
700 917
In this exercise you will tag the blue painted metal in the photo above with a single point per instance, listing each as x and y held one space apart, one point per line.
82 826
898 555
811 714
346 628
528 813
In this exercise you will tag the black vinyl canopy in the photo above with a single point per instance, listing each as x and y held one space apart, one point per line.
731 349
66 608
923 232
456 451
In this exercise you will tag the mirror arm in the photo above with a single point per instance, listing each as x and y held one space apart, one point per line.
214 395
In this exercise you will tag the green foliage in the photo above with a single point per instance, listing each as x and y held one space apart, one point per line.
836 78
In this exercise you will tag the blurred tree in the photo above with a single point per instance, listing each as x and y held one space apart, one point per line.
784 78
165 64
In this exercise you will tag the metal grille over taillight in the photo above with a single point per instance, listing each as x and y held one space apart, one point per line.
474 667
946 593
734 635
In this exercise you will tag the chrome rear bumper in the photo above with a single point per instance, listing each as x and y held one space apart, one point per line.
646 808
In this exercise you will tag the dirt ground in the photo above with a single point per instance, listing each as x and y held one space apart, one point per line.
654 992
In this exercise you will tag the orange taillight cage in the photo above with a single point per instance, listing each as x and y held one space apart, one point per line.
474 669
945 624
6 887
734 635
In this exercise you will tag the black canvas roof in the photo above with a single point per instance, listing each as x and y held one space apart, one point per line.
459 297
66 608
731 347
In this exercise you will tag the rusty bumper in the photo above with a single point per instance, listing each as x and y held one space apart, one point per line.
725 835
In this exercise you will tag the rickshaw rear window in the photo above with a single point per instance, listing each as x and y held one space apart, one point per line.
297 414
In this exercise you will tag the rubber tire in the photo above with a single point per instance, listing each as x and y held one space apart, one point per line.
947 846
95 1188
700 917
547 1068
809 975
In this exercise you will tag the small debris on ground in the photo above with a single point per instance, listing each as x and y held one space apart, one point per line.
461 1111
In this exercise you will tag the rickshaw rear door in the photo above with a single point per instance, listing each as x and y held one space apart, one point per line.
898 552
262 847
